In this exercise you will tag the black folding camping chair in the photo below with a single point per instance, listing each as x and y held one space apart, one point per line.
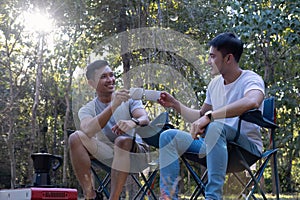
240 159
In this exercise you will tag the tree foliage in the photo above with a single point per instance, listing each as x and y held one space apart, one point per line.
269 29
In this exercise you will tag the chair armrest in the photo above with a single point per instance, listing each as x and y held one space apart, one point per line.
150 133
255 116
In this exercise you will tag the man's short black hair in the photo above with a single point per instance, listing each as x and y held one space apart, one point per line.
228 43
90 69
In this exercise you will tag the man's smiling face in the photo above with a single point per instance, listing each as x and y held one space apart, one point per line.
104 81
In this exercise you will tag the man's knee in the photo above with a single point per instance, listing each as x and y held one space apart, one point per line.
166 137
214 132
215 128
124 143
74 139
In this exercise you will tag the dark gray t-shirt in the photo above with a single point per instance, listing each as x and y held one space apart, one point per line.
95 107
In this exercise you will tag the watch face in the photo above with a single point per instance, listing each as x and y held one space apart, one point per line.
135 121
209 115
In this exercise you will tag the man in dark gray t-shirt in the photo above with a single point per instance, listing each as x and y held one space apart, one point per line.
107 125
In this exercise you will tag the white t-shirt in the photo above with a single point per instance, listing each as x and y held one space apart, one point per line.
219 95
94 107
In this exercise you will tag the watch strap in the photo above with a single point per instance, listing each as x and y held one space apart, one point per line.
209 115
136 121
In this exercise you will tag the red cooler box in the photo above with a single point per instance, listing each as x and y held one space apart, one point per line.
37 193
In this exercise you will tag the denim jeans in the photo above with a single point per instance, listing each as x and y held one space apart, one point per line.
173 143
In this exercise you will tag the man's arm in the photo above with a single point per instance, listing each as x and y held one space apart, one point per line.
91 125
252 99
191 114
141 115
123 126
187 113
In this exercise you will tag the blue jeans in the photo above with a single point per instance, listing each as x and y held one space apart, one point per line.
173 143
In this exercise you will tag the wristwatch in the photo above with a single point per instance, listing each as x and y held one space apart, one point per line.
136 121
209 115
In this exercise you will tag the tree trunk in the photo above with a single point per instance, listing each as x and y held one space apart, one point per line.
65 163
269 68
66 122
68 108
11 147
67 114
34 124
10 140
122 27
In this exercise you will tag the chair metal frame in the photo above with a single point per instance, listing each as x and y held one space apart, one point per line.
145 189
150 135
240 159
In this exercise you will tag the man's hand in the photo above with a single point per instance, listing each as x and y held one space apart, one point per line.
167 100
198 127
123 126
119 97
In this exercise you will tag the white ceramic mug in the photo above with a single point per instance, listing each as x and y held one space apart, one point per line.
136 93
152 95
142 94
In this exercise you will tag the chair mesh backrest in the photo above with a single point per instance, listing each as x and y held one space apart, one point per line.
269 114
269 109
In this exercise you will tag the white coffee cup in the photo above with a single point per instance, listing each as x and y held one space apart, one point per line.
142 94
152 95
136 93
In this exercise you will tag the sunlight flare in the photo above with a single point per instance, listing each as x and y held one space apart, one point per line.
38 22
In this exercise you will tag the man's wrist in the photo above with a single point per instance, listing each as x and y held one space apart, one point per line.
112 108
177 106
201 113
136 121
208 114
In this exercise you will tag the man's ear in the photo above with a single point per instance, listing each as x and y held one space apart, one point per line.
230 58
92 83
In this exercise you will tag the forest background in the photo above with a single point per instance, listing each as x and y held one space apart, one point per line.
41 68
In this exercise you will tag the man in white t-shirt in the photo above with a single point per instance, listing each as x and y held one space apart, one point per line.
232 92
107 125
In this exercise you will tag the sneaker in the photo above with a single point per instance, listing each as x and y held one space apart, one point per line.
99 196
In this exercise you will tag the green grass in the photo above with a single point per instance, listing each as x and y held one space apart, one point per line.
269 197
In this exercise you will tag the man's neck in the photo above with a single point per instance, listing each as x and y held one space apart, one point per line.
232 75
105 98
